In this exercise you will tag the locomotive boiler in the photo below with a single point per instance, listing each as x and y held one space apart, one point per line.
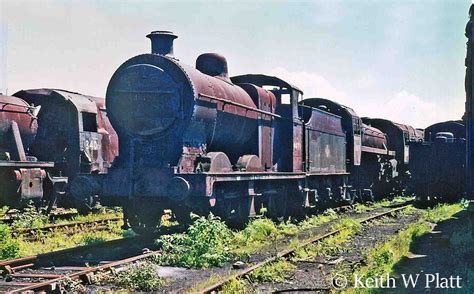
399 138
193 139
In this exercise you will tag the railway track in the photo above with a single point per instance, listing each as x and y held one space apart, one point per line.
214 288
68 228
60 213
47 272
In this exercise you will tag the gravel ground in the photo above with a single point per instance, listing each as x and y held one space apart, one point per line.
316 275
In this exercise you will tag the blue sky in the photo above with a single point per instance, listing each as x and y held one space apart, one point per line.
402 60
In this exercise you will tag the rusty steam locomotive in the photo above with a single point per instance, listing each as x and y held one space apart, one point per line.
193 139
47 136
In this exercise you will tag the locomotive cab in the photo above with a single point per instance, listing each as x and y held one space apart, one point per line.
287 141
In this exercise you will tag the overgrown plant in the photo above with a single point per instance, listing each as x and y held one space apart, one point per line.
9 247
275 272
141 276
205 243
333 244
30 217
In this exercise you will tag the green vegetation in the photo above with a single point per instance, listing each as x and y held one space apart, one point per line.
381 259
13 245
235 285
209 242
275 272
98 214
9 247
365 207
4 210
140 276
444 211
331 245
205 243
58 240
30 217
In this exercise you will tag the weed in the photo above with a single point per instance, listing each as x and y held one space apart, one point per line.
102 213
257 231
129 233
442 212
71 285
263 232
9 247
331 245
235 286
319 219
4 210
142 276
57 240
205 243
30 217
360 208
276 271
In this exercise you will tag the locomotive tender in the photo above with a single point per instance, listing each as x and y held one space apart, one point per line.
193 139
438 167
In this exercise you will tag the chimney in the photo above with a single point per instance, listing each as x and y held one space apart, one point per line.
162 42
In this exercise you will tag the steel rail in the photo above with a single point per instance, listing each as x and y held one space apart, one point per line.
218 285
35 264
50 285
72 225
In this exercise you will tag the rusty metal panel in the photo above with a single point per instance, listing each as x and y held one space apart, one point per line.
32 183
357 149
325 142
13 109
266 102
91 152
372 137
297 147
351 124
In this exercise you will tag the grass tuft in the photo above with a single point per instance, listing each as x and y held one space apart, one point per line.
275 272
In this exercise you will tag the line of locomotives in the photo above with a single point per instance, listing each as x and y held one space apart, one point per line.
47 136
193 139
